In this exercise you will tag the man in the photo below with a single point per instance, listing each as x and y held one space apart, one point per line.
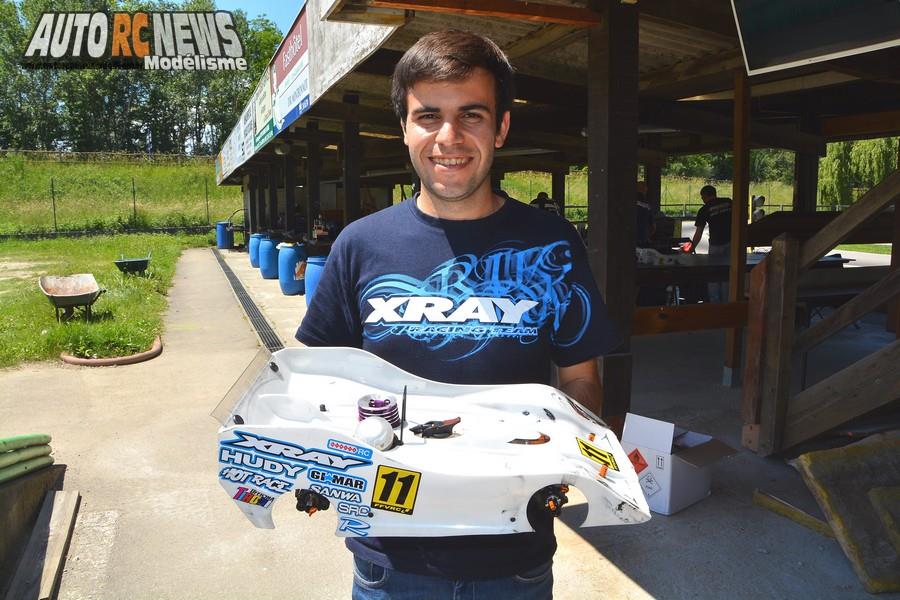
543 202
644 225
717 212
464 285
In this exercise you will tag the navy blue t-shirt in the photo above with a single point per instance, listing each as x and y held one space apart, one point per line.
488 301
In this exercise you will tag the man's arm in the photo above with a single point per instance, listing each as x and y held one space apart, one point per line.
582 382
697 235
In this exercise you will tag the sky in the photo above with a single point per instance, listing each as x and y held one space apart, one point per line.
281 12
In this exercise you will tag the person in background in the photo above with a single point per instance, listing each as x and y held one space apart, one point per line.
717 213
543 201
645 227
758 211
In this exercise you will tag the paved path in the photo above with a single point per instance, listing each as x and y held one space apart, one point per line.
154 523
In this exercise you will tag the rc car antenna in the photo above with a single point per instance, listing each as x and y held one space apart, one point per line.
402 415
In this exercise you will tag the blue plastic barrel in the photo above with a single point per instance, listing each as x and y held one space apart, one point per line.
314 267
224 235
254 248
291 268
268 258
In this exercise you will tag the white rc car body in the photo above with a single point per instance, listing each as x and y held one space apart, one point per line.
292 424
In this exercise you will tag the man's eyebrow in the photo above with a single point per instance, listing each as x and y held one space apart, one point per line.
476 106
426 109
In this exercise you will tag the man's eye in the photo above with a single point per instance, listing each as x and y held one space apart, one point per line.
427 117
472 116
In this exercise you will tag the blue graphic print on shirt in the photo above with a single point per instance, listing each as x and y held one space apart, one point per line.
509 292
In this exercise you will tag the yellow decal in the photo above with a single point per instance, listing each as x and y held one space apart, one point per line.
395 490
597 455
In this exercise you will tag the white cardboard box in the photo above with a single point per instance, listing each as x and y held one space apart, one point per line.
672 464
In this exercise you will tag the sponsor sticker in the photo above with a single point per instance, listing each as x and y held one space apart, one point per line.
354 510
341 480
255 479
354 526
259 463
395 490
285 450
254 497
597 455
348 448
337 494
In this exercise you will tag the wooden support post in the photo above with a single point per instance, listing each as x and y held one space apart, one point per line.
558 188
653 178
739 212
753 367
251 219
781 304
806 170
352 150
289 172
893 320
272 183
262 219
612 124
313 178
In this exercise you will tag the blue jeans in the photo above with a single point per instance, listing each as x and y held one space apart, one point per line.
372 582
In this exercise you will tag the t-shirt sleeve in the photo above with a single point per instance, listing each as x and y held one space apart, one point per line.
702 216
332 319
585 329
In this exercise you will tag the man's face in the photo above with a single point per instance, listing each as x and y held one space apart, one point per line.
451 131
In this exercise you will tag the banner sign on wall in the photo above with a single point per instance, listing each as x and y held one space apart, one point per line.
290 75
262 100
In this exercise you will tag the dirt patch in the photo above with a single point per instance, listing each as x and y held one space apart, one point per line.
17 270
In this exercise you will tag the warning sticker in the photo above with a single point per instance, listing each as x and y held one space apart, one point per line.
395 490
649 484
637 460
597 455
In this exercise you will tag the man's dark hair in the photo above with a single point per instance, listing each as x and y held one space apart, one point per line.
708 190
452 55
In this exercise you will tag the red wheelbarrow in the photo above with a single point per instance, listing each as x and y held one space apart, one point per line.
69 292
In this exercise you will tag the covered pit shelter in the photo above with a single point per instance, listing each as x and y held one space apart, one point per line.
610 85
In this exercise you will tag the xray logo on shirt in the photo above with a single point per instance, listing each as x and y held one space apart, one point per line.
509 292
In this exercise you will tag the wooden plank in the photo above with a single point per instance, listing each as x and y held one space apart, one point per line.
756 331
740 193
789 511
850 312
779 337
20 503
501 9
877 124
803 226
862 387
40 569
545 39
887 191
655 320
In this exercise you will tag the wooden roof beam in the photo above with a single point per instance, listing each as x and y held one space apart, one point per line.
546 39
685 118
870 125
501 9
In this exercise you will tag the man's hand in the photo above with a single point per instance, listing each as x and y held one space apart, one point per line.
582 382
697 235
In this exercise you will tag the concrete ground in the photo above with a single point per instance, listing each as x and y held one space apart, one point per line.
154 523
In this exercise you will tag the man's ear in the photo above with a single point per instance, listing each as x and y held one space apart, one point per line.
502 132
403 129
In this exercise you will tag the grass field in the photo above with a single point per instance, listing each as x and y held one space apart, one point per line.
97 194
870 248
125 319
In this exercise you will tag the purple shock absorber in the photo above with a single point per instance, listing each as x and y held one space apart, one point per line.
379 406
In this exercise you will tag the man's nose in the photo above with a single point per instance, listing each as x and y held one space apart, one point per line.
449 133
